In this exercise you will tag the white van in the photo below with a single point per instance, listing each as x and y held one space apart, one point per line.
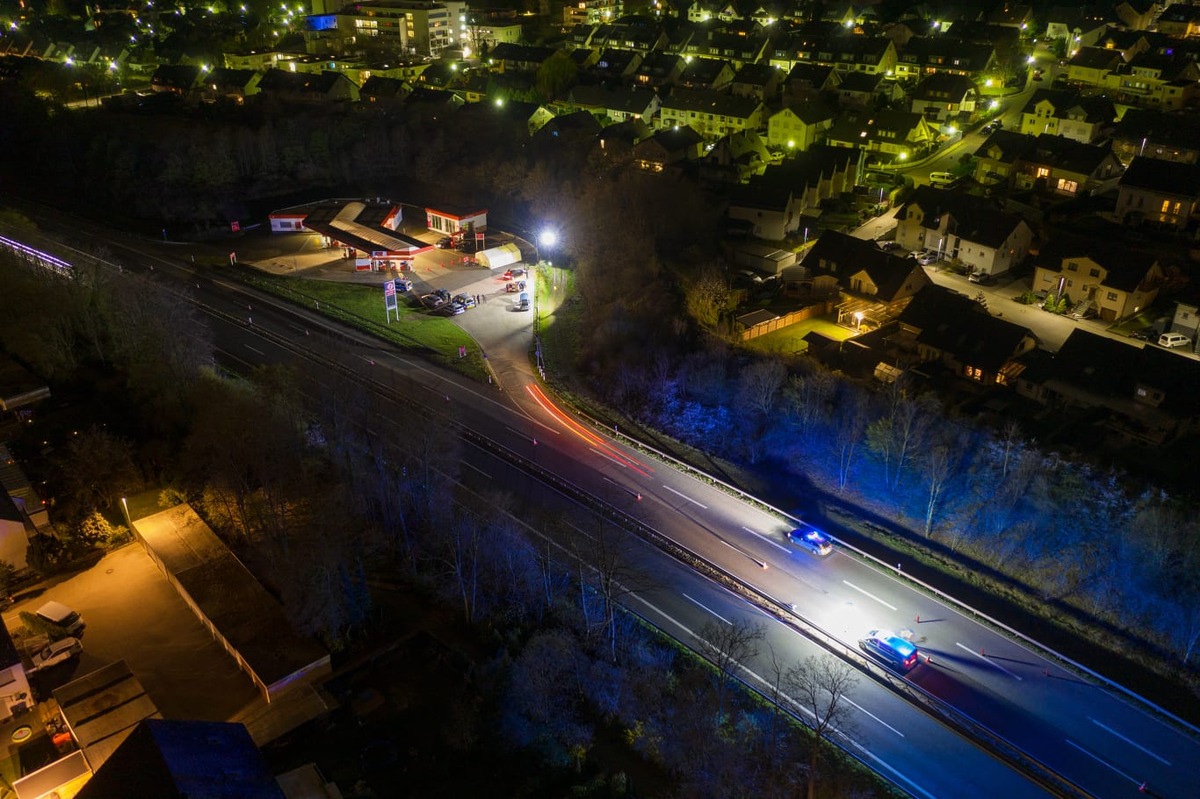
62 616
1173 340
941 178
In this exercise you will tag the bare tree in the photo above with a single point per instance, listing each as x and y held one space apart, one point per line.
606 563
818 685
728 646
707 296
848 433
758 386
937 466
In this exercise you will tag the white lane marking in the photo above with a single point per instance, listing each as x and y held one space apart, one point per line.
476 468
1132 743
257 352
1103 762
866 712
764 538
891 769
985 659
608 457
706 607
868 594
685 496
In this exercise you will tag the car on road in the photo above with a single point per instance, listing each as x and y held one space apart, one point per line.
54 653
888 246
925 257
453 308
941 178
465 300
513 288
515 272
811 538
522 303
444 243
982 278
889 647
992 126
61 616
1173 340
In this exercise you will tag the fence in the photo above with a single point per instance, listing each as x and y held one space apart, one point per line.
780 322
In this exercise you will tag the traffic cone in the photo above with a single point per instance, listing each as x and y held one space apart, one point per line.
918 618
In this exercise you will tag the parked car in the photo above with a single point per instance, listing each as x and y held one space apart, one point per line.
888 246
1173 340
746 274
811 539
432 301
61 616
925 257
54 653
465 300
890 648
513 288
982 278
522 303
941 178
444 243
403 285
453 308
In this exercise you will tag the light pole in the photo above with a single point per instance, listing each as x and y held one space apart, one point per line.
546 238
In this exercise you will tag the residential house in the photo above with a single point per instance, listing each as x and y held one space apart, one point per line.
231 84
288 86
928 55
1186 319
616 66
1078 25
659 70
1155 80
810 81
1115 281
812 176
892 135
437 76
1069 114
1159 192
1126 42
1180 20
739 48
879 285
667 148
1151 394
765 212
710 113
867 90
614 105
259 60
538 117
507 56
942 326
615 144
1090 65
591 12
799 125
969 231
706 73
567 129
1139 15
1155 134
178 79
735 158
832 47
943 96
1051 163
761 81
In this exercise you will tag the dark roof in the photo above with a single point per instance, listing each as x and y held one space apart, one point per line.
956 324
976 219
1095 363
807 168
945 53
376 86
1126 268
814 75
1070 104
1159 127
1063 153
756 74
1010 145
944 87
225 77
703 70
860 82
761 196
523 53
180 76
1165 177
712 102
843 255
283 80
853 123
1097 58
193 759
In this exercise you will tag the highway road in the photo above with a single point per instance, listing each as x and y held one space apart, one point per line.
1076 726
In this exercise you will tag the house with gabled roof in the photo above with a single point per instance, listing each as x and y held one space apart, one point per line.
738 49
1152 394
927 55
1155 80
710 113
1116 281
383 92
507 56
1090 65
1156 134
1159 192
799 125
879 285
1180 20
761 81
735 158
1051 163
288 86
817 174
231 84
1067 113
659 70
178 79
1139 15
967 230
943 96
808 81
668 148
898 135
706 73
865 90
567 130
944 327
614 105
767 212
1077 25
875 55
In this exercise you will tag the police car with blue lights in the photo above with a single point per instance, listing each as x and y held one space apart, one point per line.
811 539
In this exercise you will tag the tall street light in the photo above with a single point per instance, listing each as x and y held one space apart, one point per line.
546 238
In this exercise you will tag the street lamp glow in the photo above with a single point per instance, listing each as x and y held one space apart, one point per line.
547 238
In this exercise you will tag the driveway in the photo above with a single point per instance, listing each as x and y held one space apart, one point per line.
133 614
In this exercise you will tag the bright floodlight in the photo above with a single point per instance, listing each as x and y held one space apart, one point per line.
547 238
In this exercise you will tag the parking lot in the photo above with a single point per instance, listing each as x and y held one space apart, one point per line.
133 613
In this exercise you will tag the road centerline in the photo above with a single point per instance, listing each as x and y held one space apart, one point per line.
869 594
684 496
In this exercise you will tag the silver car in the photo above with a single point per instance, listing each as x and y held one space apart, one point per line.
55 652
